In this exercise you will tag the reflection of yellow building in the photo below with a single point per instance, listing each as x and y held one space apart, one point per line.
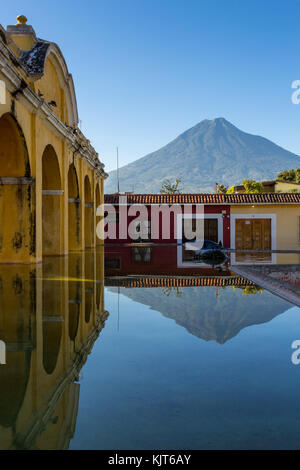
51 315
51 179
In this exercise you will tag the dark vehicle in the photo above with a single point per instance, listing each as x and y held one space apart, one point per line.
209 253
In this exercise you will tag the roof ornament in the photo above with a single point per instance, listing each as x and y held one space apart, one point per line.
21 19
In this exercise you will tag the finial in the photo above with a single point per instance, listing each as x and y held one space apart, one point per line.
21 19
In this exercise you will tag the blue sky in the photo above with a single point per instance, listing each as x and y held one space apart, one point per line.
147 70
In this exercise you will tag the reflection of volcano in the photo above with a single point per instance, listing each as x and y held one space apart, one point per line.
210 313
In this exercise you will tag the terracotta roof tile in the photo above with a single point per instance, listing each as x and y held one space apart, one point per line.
201 198
179 282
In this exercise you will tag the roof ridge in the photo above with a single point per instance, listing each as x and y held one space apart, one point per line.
208 198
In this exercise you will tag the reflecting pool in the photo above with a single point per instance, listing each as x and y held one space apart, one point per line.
149 354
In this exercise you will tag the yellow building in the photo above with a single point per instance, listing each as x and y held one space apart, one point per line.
51 179
266 222
273 186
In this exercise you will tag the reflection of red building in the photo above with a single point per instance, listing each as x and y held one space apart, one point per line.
153 260
175 211
157 266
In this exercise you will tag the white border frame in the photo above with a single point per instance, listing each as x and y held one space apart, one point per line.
218 216
233 218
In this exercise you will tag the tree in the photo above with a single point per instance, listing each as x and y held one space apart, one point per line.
252 186
291 176
231 190
249 290
171 188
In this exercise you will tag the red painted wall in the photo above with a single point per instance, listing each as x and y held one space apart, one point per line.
163 262
208 209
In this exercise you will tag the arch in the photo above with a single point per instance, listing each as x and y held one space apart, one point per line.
74 216
36 62
88 214
52 202
98 202
14 158
17 195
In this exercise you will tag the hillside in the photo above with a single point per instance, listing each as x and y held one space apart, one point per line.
213 150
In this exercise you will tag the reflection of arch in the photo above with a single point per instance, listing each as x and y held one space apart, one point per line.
74 315
52 196
74 209
52 316
89 295
88 214
16 194
74 296
51 342
13 378
89 285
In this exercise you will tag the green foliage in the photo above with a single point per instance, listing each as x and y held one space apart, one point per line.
249 290
168 290
252 186
231 190
171 188
290 176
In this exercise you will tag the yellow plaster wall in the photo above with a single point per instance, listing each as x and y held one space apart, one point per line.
287 222
38 133
286 187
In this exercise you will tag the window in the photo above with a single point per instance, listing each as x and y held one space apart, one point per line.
210 228
142 254
112 263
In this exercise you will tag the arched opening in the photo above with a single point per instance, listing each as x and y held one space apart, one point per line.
17 195
14 160
88 214
98 202
74 210
52 202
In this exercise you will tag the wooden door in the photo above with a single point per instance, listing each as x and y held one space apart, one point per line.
253 234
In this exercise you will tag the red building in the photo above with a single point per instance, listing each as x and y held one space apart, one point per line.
164 217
